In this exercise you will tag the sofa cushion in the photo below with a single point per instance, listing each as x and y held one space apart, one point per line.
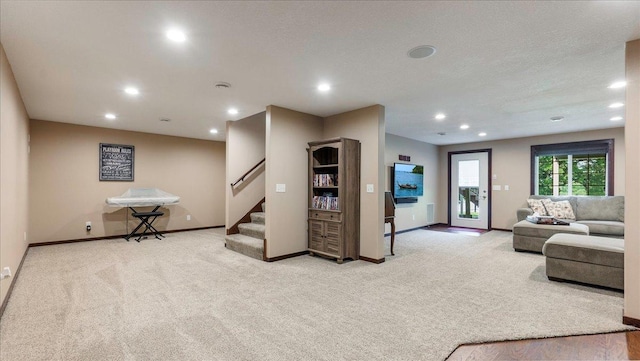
559 209
613 228
537 206
600 208
588 249
526 228
571 199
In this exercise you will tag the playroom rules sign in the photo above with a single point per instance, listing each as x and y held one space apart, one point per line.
116 162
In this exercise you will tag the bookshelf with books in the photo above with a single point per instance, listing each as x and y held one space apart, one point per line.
334 198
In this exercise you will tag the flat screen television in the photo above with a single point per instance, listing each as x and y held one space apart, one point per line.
408 182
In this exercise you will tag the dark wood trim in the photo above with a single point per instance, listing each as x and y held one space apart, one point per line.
410 230
501 229
372 260
38 244
241 179
489 184
631 321
290 255
567 147
51 243
14 279
246 218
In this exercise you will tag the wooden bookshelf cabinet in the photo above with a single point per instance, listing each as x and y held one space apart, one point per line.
334 198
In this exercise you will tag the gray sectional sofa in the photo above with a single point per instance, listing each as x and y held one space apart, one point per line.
589 250
596 216
603 215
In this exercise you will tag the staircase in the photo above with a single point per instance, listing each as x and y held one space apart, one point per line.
250 240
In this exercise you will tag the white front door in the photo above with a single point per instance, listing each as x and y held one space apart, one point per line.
470 190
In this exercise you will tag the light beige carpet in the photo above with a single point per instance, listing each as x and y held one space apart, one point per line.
188 298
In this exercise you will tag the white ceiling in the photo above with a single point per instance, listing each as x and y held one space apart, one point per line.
502 67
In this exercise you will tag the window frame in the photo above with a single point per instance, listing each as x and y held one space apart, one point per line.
573 148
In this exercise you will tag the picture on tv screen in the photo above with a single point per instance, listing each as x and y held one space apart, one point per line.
408 180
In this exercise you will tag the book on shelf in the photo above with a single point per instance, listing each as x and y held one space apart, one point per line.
325 180
325 202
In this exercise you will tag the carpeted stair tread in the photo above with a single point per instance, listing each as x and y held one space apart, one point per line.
249 246
252 230
257 217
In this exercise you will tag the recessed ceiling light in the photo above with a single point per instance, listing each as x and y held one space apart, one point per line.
131 91
557 119
615 119
464 126
422 51
617 85
176 35
324 87
482 134
232 111
616 105
440 116
213 131
110 116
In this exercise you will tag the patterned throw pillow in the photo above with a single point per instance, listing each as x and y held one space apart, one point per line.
538 206
560 209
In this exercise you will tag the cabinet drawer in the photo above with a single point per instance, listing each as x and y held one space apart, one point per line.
325 216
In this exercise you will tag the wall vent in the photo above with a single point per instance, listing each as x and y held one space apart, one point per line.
431 213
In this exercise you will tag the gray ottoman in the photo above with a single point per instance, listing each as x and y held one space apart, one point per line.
530 237
585 259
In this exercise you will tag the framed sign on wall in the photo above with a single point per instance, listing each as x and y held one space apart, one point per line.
116 162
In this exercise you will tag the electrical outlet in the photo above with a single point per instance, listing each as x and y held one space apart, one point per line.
188 217
88 226
6 273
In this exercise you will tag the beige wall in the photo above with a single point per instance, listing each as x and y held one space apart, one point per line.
288 135
632 193
412 215
511 165
14 167
367 126
245 148
65 192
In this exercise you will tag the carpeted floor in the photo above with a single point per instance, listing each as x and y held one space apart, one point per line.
189 298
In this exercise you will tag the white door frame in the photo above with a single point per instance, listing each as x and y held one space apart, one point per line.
489 187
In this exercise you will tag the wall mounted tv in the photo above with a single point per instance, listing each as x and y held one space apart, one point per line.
408 182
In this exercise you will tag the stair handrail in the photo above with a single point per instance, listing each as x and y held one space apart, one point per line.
241 179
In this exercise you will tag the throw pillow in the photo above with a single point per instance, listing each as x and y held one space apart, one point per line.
537 206
560 209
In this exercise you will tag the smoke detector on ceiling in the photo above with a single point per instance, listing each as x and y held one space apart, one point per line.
223 85
165 119
557 118
442 133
